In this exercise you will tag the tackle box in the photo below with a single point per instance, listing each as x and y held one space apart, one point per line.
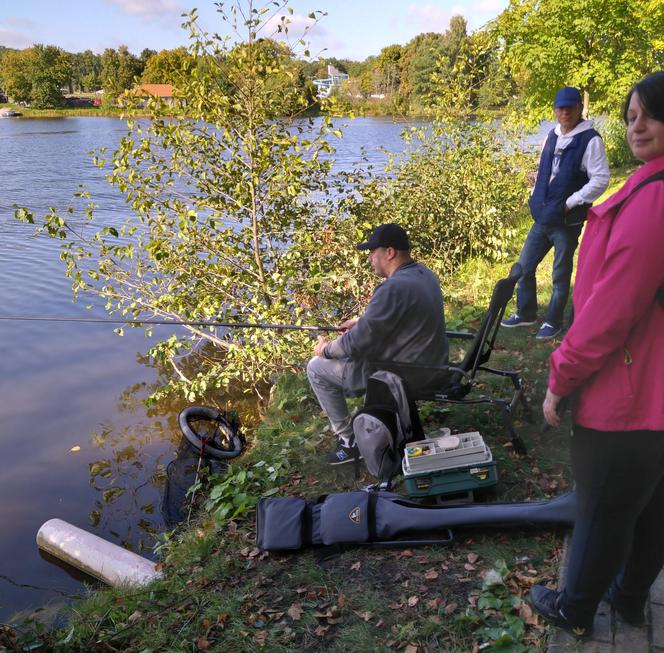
430 468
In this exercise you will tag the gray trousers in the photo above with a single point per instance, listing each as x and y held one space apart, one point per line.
326 378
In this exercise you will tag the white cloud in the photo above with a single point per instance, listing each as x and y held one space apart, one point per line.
432 18
318 41
149 8
14 39
298 26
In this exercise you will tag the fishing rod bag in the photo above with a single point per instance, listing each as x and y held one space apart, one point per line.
369 516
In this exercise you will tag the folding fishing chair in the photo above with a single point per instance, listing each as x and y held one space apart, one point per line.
461 386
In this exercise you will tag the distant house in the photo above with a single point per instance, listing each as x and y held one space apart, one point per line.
161 91
334 78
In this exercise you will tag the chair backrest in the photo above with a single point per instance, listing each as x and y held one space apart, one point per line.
485 338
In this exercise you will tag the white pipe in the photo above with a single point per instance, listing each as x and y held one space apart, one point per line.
95 556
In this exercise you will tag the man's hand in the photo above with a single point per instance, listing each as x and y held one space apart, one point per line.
347 325
550 408
320 345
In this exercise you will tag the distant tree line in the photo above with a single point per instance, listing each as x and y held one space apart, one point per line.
531 48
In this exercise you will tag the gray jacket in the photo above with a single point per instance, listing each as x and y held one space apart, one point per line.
403 323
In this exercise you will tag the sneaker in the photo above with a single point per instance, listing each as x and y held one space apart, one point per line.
546 602
634 615
344 455
547 331
516 321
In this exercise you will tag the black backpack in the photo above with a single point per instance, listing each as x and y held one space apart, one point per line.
386 423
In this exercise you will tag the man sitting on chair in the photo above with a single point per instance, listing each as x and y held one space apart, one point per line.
403 323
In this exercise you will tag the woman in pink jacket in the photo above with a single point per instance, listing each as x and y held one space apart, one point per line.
611 366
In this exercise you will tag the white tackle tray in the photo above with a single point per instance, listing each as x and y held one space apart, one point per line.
472 450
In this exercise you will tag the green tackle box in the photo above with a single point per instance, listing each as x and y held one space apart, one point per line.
431 471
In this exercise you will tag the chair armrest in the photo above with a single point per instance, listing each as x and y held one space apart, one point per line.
460 335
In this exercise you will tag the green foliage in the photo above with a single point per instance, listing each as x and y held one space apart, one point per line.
166 67
459 191
36 75
504 625
120 71
614 134
601 47
237 491
230 204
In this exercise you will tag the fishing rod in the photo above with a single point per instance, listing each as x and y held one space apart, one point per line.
229 325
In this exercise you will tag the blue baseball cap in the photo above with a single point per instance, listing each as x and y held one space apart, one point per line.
567 97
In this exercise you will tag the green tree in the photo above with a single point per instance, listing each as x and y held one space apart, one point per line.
387 70
86 72
166 67
120 71
600 46
36 75
16 75
230 208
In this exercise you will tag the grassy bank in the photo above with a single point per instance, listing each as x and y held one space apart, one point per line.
219 593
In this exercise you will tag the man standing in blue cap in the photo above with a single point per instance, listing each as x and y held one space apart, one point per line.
573 172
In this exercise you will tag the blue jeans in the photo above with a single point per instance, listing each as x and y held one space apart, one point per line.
540 240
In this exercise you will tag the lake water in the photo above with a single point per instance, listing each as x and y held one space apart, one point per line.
76 441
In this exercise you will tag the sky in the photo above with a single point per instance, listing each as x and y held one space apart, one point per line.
352 29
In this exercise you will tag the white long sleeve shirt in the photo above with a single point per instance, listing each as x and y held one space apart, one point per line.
593 163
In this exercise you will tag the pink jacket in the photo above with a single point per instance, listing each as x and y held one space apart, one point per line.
613 355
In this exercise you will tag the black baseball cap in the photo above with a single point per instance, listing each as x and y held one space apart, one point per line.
387 235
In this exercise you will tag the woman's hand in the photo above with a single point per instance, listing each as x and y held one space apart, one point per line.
550 408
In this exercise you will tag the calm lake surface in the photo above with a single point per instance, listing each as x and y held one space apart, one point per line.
68 385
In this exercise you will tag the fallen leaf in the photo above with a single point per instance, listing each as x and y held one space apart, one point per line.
261 636
432 574
134 616
449 609
380 623
472 558
433 604
356 566
203 644
411 648
406 553
321 630
295 612
413 601
469 567
365 616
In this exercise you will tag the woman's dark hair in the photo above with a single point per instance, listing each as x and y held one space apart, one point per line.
651 95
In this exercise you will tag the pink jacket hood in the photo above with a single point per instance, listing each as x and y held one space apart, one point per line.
613 355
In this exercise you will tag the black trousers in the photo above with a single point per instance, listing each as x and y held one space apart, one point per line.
619 529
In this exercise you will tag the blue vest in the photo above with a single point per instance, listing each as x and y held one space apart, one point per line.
547 203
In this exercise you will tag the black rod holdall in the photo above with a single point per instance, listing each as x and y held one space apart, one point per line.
368 517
